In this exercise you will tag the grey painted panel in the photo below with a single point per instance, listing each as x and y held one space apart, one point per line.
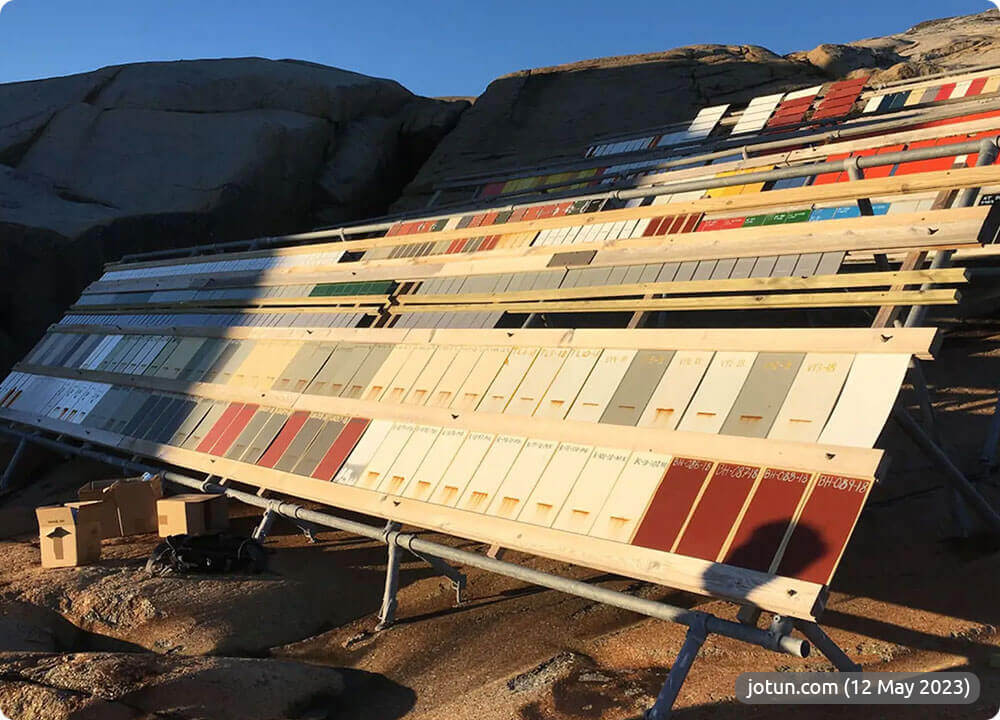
617 275
762 395
170 425
668 272
303 368
743 268
807 264
295 450
104 410
180 357
764 266
151 405
223 370
829 263
704 270
785 266
650 272
190 422
202 360
318 448
636 387
208 420
243 440
338 370
262 441
366 371
686 271
126 411
229 348
632 274
164 416
723 269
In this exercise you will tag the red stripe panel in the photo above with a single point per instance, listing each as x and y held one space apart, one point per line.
490 218
394 230
665 224
952 121
767 519
717 510
531 213
561 208
232 432
455 246
671 503
692 222
677 224
823 529
340 449
945 92
492 189
654 225
213 435
976 87
546 211
288 432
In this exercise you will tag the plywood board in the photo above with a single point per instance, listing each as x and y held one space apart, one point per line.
625 505
811 398
592 487
866 400
600 385
509 498
717 392
673 393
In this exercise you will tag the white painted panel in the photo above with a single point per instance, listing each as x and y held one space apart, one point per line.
511 373
717 393
677 386
467 460
531 462
866 400
601 385
553 486
409 459
811 397
625 506
441 454
363 452
491 472
591 489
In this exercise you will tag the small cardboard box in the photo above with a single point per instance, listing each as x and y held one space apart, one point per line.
69 536
132 500
193 514
110 527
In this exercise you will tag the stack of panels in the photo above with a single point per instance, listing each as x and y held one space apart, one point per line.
749 394
214 266
886 102
767 518
839 99
793 108
700 128
756 114
300 318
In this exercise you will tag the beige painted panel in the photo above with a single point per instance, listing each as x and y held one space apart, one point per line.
249 371
445 392
522 478
491 472
384 376
432 374
626 505
559 398
460 471
409 459
274 364
386 455
866 400
601 385
514 369
591 489
414 365
470 394
537 381
717 392
425 480
676 388
363 452
553 486
812 396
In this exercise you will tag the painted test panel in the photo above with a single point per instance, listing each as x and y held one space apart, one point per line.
229 363
515 488
717 511
866 400
215 432
717 392
380 381
471 392
490 473
318 448
296 448
670 399
619 517
811 397
262 440
636 387
233 430
367 370
591 489
208 420
762 394
510 375
600 386
546 500
408 461
190 423
180 357
672 503
767 519
283 439
404 380
565 387
242 443
345 443
823 528
536 382
338 370
467 461
435 464
386 454
302 368
431 375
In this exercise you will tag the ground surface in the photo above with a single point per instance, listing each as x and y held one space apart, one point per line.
906 598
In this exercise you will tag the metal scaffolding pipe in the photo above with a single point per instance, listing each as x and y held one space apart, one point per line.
661 611
786 173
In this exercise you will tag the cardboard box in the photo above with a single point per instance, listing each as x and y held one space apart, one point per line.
109 516
193 514
69 536
132 500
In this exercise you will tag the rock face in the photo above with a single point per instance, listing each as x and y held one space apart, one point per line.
155 155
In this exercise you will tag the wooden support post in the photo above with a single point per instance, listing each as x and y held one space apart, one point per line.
887 314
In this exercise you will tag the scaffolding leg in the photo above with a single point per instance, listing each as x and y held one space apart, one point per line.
457 578
693 641
827 646
263 528
8 474
387 613
988 457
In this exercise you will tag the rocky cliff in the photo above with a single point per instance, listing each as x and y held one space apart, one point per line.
154 155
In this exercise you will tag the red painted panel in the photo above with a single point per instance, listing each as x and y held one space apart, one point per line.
824 528
732 223
546 211
232 432
531 213
920 166
717 510
671 503
517 215
491 190
654 225
562 208
828 178
212 436
284 439
456 246
692 222
477 221
490 218
665 224
952 121
394 230
340 449
489 243
767 519
976 87
945 92
677 224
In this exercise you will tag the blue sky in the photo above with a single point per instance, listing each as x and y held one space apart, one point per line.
451 47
